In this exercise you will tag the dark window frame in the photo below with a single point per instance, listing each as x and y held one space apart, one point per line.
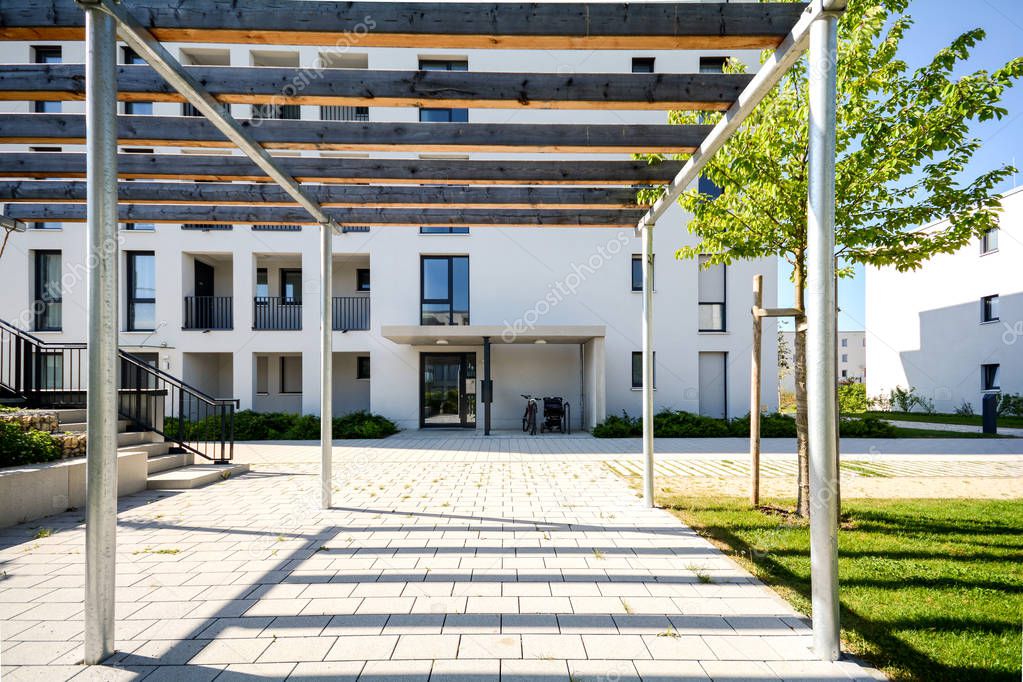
643 64
284 386
443 230
133 300
637 355
989 379
442 114
989 309
282 285
43 296
987 244
450 300
713 64
362 279
723 303
43 54
362 367
637 278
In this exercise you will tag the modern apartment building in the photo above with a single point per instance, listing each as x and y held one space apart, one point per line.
232 310
851 359
953 329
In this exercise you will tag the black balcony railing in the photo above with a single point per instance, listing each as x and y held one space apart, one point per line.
276 313
350 313
208 312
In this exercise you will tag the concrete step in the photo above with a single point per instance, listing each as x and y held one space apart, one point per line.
71 416
194 476
151 449
161 463
122 425
125 438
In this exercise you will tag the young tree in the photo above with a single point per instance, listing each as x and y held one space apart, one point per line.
903 141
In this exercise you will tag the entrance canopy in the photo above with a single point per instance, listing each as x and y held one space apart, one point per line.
475 334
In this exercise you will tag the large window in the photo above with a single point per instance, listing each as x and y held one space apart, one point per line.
291 285
712 294
137 108
46 54
291 374
362 367
989 379
434 115
989 309
141 290
262 375
444 286
47 306
637 369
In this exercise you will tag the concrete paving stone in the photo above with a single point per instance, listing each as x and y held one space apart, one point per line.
534 671
247 672
586 624
629 647
671 671
736 671
37 653
492 605
562 647
460 670
490 646
47 631
741 648
35 673
231 651
414 624
471 623
603 671
363 648
420 647
235 627
107 673
296 649
336 671
396 671
385 605
677 647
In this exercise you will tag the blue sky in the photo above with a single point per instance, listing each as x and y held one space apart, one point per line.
937 23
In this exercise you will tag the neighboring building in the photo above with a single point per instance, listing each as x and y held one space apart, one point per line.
953 329
852 360
222 307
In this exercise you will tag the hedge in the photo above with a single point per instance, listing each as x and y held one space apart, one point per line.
679 424
249 425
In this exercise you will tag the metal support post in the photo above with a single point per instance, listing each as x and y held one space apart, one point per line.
820 315
487 386
648 364
326 364
101 413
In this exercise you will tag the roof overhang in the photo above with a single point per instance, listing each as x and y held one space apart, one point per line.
472 335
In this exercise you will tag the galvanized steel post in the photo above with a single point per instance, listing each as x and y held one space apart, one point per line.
326 364
647 234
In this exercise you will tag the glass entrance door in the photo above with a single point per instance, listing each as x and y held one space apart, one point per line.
448 390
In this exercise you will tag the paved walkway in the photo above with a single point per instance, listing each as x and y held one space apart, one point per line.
428 568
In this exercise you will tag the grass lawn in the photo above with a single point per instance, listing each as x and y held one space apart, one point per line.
903 432
972 420
930 589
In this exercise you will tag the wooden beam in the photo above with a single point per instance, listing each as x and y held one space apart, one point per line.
193 131
45 165
777 312
273 215
360 87
264 194
463 25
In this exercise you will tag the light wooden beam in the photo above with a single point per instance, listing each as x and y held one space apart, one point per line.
208 167
265 194
361 87
192 131
484 25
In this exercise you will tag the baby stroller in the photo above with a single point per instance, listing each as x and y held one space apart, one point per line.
556 413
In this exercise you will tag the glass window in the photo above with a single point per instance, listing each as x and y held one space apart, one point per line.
362 279
291 374
443 230
47 307
262 283
642 64
262 375
845 343
291 285
989 242
845 358
50 370
989 309
444 283
989 377
712 296
637 369
712 64
46 54
434 115
637 273
362 367
141 290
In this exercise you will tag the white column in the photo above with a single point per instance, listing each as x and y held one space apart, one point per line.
820 352
326 363
648 365
101 451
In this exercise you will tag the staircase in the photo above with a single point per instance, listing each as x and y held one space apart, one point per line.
172 422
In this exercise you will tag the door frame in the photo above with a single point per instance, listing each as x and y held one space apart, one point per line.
462 401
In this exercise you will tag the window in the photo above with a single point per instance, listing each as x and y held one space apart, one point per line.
47 307
712 375
50 370
845 374
642 64
141 290
291 285
362 279
989 309
443 230
712 64
637 369
262 283
845 343
137 108
48 54
444 286
989 377
845 358
262 375
712 295
337 112
637 273
291 374
362 367
434 115
989 241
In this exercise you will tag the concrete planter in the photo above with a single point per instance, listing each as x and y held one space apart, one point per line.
35 491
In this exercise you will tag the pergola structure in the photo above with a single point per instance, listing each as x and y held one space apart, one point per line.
260 188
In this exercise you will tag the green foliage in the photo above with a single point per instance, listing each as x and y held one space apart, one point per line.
678 424
249 425
903 399
965 410
619 427
1010 404
868 427
19 446
772 425
852 398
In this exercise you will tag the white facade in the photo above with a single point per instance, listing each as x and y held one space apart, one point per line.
541 278
851 360
953 329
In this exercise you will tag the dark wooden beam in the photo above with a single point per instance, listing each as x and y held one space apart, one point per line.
360 87
273 215
193 131
516 25
45 165
335 196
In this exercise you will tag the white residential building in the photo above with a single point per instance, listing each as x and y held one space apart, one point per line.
851 359
223 308
953 329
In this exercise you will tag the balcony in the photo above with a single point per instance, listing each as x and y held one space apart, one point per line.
276 313
350 313
208 312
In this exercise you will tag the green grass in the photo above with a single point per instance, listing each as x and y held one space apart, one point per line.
970 420
930 589
905 432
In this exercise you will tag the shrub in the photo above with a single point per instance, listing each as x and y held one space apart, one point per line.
19 446
773 425
249 425
905 399
964 410
363 425
1010 404
852 398
619 427
868 427
679 424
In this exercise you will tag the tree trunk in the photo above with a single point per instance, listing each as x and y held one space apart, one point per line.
799 365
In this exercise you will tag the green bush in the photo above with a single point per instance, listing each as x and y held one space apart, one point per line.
772 425
852 398
1010 404
678 424
249 425
619 427
868 427
25 447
